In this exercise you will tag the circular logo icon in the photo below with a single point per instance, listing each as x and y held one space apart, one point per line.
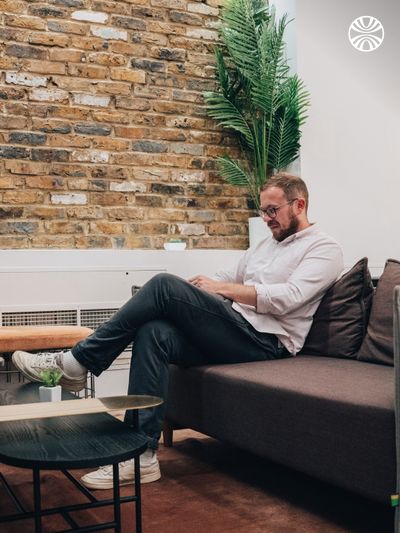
366 33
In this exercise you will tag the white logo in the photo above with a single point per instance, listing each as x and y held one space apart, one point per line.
366 33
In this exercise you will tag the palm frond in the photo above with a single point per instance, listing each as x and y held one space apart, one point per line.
232 172
228 115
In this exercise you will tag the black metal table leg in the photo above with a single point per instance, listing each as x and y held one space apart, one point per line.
138 501
117 498
36 500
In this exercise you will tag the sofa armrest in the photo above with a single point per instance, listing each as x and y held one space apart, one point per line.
396 348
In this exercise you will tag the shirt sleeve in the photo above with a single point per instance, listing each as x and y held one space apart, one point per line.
317 271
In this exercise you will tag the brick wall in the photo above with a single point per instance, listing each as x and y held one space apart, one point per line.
104 141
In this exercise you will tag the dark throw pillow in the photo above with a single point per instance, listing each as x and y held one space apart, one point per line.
340 321
378 343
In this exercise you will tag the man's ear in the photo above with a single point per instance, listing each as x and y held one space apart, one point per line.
301 203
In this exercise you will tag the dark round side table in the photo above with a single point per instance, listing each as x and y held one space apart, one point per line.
70 442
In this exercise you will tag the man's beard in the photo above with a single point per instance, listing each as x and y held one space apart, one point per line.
293 228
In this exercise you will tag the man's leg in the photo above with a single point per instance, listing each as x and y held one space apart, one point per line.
208 321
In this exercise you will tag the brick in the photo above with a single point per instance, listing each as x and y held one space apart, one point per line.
203 9
13 6
131 133
109 198
150 228
78 184
45 11
169 135
26 167
109 33
186 96
161 188
87 71
11 122
92 156
170 4
222 228
138 104
168 54
188 176
48 95
93 242
10 93
173 215
113 87
106 227
70 56
69 3
45 67
50 155
134 76
22 21
23 197
202 216
91 100
64 227
148 200
104 58
165 28
69 199
14 242
126 213
21 137
92 129
69 141
186 148
232 243
114 7
45 212
47 39
112 117
17 78
151 66
31 52
11 212
14 152
10 182
129 23
90 16
87 212
18 227
45 182
170 107
51 126
149 146
50 241
197 33
63 26
72 113
127 186
89 43
110 144
191 229
185 18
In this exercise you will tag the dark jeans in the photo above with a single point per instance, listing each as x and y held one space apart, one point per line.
171 321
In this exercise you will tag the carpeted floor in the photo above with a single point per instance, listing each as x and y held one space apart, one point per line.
209 487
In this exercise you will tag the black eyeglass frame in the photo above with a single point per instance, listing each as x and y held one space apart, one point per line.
271 212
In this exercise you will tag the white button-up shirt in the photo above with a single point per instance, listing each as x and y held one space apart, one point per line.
290 278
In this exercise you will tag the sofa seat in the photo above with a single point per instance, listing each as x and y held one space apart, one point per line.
330 418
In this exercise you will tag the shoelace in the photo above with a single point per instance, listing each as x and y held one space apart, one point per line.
47 360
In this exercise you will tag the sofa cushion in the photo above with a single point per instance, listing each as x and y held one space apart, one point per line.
377 346
340 321
331 418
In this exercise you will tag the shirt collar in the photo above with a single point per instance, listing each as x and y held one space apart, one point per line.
298 235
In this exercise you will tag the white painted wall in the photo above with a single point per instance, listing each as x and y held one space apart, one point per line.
351 142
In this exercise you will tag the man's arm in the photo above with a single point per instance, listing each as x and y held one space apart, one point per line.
244 294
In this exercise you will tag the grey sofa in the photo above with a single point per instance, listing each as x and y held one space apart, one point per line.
332 417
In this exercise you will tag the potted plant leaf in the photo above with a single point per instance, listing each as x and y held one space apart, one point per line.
256 97
50 391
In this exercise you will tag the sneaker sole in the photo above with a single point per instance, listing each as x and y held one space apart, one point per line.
19 364
146 478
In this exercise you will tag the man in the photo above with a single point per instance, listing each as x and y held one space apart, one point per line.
262 309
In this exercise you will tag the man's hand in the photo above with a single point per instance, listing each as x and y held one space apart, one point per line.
245 294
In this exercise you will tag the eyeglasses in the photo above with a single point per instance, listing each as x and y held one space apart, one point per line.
271 212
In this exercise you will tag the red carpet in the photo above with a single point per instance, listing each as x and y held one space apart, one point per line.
209 487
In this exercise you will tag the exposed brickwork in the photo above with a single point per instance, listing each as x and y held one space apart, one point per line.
104 140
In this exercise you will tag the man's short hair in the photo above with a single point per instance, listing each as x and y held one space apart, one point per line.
292 186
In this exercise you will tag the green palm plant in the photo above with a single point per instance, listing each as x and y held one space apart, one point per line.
256 97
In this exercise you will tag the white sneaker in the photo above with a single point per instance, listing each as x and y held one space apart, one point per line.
102 478
32 364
